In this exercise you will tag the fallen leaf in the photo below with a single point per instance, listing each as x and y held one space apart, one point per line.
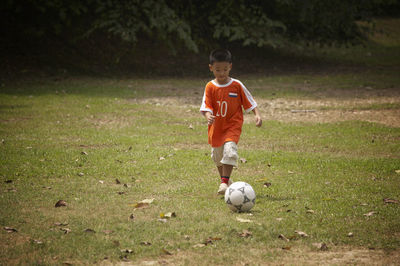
167 215
243 160
81 174
61 203
267 184
131 217
243 220
398 171
61 224
101 181
121 192
127 186
149 201
166 252
186 237
211 240
369 213
127 250
84 153
350 234
391 201
300 233
162 220
279 219
321 246
145 243
290 172
11 189
141 205
8 181
190 126
47 187
269 165
281 236
117 181
199 245
88 230
245 233
286 248
310 211
161 158
65 230
10 229
35 241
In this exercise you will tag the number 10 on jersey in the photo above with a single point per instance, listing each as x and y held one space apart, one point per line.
222 108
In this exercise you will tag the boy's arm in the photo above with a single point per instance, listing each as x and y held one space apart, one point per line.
257 117
210 118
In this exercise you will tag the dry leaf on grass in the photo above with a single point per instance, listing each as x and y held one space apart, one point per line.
88 230
117 181
391 201
61 203
286 248
65 230
301 233
310 211
10 229
320 246
167 215
243 220
267 184
281 236
243 160
127 250
350 234
61 224
369 213
199 245
166 252
37 242
398 171
143 204
145 243
245 233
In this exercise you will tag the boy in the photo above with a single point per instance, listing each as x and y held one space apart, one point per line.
222 105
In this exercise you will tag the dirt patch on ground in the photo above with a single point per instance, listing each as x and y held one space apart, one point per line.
383 109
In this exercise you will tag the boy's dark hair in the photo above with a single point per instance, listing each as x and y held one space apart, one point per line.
220 55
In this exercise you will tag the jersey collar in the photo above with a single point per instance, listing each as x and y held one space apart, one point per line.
224 85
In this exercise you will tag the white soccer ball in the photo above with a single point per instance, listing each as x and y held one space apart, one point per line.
240 197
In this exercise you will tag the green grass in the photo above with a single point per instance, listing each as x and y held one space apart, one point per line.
332 168
52 132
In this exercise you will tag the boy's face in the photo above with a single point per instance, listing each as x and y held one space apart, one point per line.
221 71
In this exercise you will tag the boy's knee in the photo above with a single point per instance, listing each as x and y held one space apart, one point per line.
230 154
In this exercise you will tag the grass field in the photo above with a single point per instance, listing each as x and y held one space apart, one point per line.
329 147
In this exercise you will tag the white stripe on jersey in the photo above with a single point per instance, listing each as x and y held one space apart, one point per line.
203 107
248 95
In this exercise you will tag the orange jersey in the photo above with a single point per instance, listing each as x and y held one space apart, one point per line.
226 103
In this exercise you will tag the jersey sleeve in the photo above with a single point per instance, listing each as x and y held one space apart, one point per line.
248 102
206 104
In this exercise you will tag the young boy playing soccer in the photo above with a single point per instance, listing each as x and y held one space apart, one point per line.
223 100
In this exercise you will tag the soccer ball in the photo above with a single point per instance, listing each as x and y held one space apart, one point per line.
240 197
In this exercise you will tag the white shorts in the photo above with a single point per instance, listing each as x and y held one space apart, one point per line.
225 154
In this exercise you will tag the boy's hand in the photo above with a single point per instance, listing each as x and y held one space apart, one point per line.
210 118
258 121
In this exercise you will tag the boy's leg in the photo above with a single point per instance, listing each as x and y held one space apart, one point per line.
229 159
